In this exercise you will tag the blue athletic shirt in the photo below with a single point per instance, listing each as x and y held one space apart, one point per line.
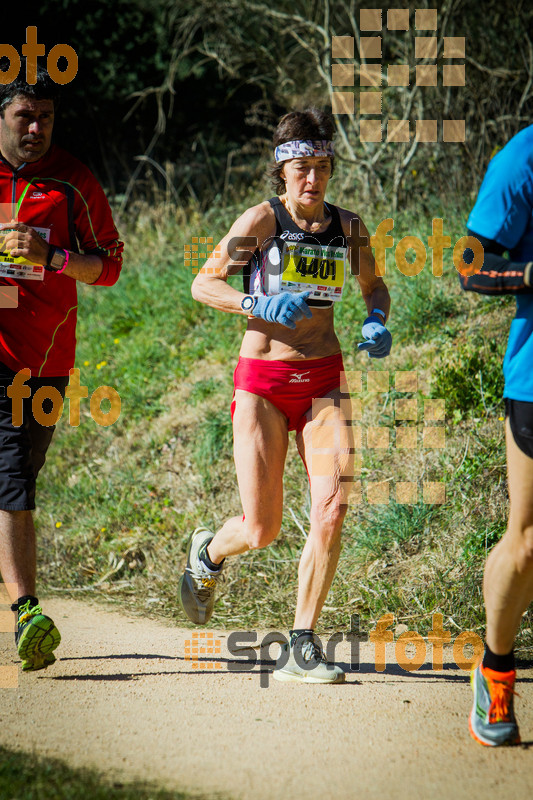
504 213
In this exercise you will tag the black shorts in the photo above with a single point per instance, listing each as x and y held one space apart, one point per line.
520 416
23 449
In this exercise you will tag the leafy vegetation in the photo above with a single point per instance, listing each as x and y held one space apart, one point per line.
177 99
472 379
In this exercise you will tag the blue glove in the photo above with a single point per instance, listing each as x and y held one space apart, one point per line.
378 339
286 308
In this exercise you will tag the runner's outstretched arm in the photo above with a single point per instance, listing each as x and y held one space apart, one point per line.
498 275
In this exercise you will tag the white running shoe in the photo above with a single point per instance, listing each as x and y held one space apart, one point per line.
306 664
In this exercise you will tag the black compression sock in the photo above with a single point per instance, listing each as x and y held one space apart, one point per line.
24 599
496 662
207 561
308 633
16 606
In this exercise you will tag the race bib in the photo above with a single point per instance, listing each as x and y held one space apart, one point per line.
20 268
314 267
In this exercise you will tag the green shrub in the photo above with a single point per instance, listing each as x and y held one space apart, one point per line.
471 379
478 542
422 306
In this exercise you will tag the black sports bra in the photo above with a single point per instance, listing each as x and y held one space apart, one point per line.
296 260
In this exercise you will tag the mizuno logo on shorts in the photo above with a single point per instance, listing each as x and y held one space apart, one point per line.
297 377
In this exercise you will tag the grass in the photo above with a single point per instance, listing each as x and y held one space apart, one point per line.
117 505
28 777
213 443
395 526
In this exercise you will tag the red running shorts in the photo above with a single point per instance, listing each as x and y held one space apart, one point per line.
291 386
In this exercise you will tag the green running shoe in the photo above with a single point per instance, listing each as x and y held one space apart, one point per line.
306 663
197 585
492 721
36 638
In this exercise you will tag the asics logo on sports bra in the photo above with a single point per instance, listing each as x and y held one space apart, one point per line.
297 377
292 237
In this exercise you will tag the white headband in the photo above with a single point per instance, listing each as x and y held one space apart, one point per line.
304 148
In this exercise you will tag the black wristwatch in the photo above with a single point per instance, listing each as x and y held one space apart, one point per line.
56 259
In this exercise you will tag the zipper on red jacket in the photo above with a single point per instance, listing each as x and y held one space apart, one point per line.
14 189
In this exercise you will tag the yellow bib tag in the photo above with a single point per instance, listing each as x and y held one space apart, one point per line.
315 267
20 268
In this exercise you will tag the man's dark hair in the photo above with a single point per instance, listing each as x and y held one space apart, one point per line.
309 124
43 89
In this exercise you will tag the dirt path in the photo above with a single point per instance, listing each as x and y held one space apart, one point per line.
123 699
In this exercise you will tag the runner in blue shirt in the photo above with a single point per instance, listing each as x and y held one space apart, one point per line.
502 219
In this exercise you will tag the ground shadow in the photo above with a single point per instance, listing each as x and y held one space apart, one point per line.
239 666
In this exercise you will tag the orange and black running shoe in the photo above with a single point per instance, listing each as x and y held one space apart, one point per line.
492 721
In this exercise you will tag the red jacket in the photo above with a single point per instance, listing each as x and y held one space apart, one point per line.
59 193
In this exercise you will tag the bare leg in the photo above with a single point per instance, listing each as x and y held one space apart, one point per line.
17 552
260 441
508 580
325 445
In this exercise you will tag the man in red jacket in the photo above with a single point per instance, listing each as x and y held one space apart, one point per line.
56 229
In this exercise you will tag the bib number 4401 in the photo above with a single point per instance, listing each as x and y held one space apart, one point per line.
322 268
